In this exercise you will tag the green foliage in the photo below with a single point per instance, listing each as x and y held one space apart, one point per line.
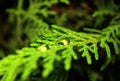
110 10
34 16
59 39
54 49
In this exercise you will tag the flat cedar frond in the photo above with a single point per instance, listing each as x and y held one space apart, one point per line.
59 39
67 54
32 18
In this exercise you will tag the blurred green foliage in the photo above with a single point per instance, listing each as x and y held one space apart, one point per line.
83 44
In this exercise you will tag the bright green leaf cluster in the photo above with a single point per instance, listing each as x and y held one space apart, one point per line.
47 47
